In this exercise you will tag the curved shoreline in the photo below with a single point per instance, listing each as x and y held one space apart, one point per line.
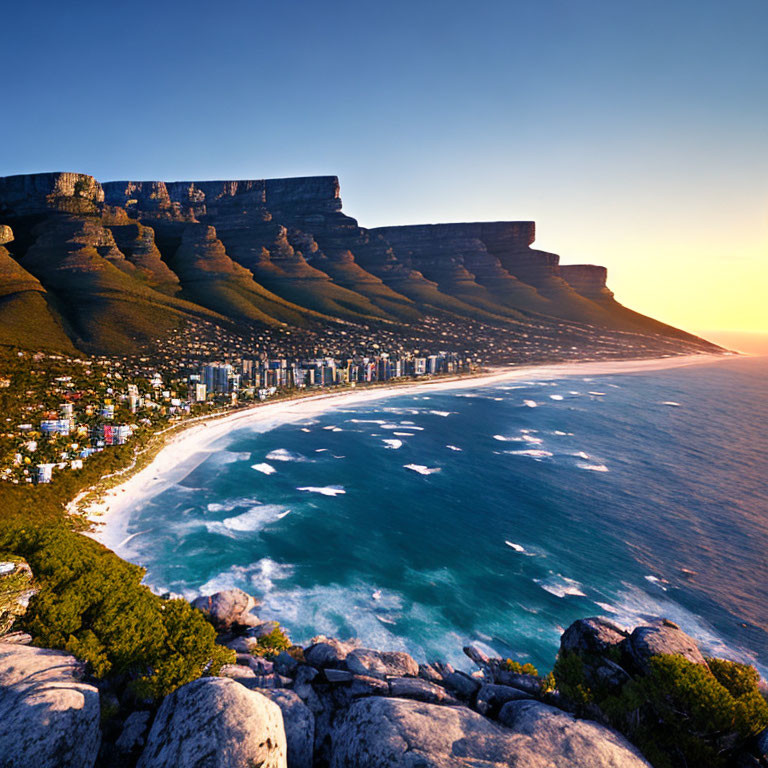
195 441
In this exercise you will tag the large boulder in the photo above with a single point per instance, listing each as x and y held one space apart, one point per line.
230 609
555 738
364 661
50 718
16 590
390 733
299 725
594 636
215 722
665 638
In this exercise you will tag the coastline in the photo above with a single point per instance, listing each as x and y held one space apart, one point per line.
194 440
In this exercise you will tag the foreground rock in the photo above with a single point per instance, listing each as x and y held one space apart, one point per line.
378 733
216 723
557 738
299 723
48 717
230 609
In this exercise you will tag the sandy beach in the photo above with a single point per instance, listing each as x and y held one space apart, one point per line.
199 437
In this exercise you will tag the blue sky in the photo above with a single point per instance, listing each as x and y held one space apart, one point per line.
635 134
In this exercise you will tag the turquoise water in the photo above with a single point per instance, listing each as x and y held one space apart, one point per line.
530 504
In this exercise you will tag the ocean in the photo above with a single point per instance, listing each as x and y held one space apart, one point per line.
494 516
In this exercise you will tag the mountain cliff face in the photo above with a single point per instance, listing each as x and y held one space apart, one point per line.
117 263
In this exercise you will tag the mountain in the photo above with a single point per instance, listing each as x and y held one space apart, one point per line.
111 267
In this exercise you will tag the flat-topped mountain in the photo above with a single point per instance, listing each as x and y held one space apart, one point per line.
119 263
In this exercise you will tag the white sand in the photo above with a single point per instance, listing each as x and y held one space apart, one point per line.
190 447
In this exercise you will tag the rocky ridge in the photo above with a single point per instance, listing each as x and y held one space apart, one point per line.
278 253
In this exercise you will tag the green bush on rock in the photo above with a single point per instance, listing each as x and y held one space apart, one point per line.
679 713
93 604
272 644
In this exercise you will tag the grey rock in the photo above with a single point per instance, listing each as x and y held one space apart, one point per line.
134 731
229 609
217 723
389 733
242 644
555 738
364 661
646 642
325 654
337 675
476 655
420 690
490 698
285 664
592 636
363 685
303 680
464 685
528 683
429 672
299 725
50 719
237 672
18 638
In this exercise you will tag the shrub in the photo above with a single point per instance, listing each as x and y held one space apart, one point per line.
679 713
518 668
271 645
93 605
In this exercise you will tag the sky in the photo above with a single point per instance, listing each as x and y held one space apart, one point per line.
634 134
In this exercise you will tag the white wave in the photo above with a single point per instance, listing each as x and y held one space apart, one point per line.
592 467
555 397
561 586
304 429
325 490
230 457
421 469
655 580
440 413
516 547
607 607
251 521
260 576
394 444
264 468
384 619
331 427
320 450
366 421
453 447
598 394
403 434
534 453
671 403
283 454
581 455
530 403
228 506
